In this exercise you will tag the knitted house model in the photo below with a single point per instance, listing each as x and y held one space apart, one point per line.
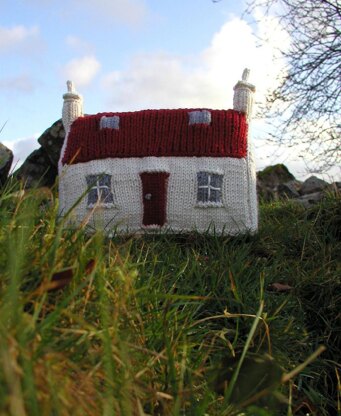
178 170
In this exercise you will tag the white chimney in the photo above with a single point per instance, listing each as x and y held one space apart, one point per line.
72 107
243 95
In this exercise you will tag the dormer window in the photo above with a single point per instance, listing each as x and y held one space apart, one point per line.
199 117
100 191
112 122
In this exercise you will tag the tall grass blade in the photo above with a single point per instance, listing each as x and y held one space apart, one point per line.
234 378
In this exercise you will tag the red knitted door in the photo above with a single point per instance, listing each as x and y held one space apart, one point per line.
154 194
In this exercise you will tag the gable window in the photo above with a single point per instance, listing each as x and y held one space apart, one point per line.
209 189
199 117
112 122
100 192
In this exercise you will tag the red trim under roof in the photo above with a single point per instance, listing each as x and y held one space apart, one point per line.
157 133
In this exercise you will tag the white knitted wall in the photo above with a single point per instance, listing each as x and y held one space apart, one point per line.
238 213
243 101
252 187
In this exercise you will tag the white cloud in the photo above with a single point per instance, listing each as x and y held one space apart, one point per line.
21 148
21 83
236 46
81 70
157 80
163 80
296 158
17 37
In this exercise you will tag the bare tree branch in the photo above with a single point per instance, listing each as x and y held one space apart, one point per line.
305 106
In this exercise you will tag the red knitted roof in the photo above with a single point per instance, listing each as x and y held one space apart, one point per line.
157 133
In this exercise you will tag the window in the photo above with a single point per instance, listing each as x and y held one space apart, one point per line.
112 122
209 189
99 190
199 117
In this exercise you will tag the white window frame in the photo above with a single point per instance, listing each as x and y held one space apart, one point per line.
98 187
210 188
109 122
199 117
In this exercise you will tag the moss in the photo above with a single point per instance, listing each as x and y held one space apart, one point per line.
279 169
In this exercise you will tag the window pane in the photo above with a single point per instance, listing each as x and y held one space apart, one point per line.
105 195
92 196
104 180
112 122
216 180
100 189
202 178
209 187
91 180
215 196
202 195
109 199
199 117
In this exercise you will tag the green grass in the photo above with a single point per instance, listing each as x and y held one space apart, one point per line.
169 325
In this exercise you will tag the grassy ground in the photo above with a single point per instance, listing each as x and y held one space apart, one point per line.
169 325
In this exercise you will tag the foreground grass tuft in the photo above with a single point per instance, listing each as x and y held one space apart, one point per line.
169 325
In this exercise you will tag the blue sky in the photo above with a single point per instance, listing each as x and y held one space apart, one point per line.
129 55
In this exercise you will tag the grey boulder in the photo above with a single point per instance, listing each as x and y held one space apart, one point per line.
312 185
37 170
6 159
269 180
289 190
52 141
41 166
309 200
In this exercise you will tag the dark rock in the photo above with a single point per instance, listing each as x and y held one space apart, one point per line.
276 182
312 185
41 166
37 170
52 141
289 189
6 159
274 175
264 193
270 178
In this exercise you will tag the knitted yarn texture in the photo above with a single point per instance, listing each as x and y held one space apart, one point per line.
156 133
160 170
